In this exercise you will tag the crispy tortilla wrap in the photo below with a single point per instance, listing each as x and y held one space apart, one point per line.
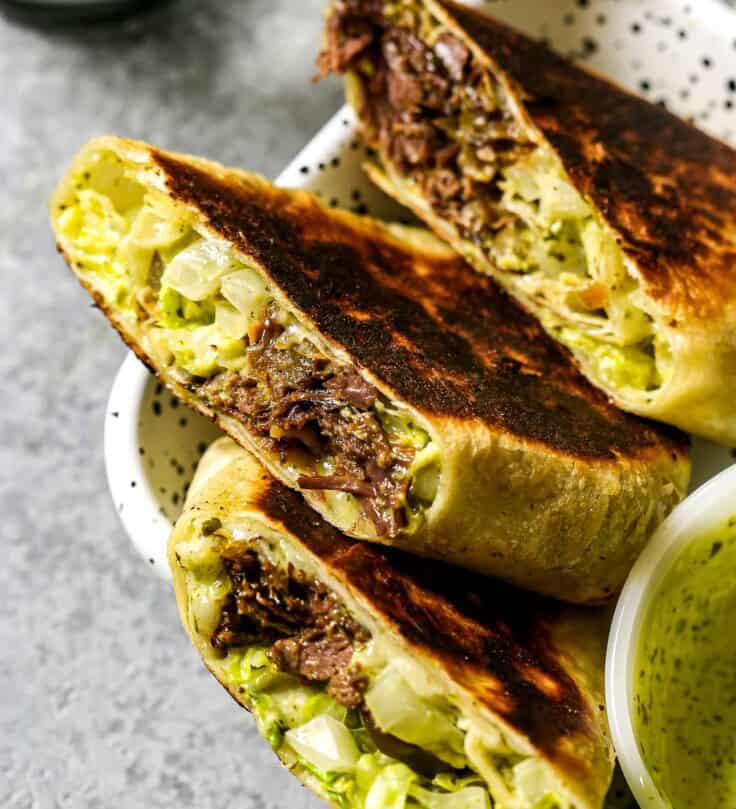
609 218
380 678
408 398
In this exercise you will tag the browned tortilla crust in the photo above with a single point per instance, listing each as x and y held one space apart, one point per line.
494 640
448 341
667 189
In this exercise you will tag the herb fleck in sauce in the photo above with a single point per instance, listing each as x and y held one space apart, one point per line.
685 690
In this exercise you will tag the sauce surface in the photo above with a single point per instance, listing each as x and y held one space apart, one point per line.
685 689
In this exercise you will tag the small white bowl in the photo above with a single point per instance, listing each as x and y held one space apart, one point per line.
704 510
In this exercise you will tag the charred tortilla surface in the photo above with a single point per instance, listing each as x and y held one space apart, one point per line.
447 340
668 189
493 639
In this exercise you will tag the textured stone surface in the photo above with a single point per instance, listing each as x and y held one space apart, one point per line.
103 702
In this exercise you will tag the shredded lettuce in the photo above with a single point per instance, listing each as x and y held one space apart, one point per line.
399 423
473 797
247 292
617 367
532 784
360 758
398 710
542 234
196 271
571 265
201 305
382 782
157 225
325 743
179 312
336 748
93 229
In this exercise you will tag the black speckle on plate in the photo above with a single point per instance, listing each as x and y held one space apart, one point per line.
589 45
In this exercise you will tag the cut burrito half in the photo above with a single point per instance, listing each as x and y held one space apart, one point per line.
407 397
609 218
380 679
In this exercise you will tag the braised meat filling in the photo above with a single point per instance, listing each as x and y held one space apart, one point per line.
451 136
434 109
313 634
320 419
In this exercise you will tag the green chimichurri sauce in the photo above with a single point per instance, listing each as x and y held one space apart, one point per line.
685 689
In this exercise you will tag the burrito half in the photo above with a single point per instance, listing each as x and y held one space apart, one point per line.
382 680
409 398
609 218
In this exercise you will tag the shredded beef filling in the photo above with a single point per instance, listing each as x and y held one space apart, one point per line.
436 113
306 409
313 634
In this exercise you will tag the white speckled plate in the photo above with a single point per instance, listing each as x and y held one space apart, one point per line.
682 54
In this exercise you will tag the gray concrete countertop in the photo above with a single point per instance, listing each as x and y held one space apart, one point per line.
103 703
